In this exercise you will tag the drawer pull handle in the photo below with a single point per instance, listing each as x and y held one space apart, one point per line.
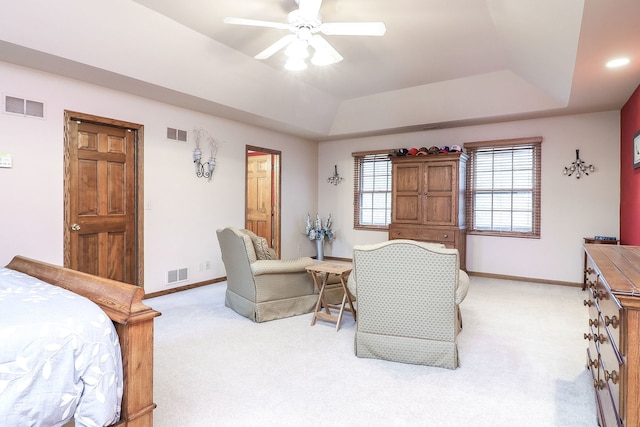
589 303
594 363
598 384
613 376
613 321
599 338
446 235
588 337
589 270
591 284
593 323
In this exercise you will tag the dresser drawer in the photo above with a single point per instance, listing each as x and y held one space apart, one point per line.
593 362
595 321
608 410
422 233
611 370
613 325
592 347
610 312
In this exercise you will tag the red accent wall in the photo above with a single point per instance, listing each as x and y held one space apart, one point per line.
629 177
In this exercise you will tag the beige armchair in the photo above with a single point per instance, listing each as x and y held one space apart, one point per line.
408 296
259 286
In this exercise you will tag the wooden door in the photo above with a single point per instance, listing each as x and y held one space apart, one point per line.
407 193
101 191
441 191
262 211
259 196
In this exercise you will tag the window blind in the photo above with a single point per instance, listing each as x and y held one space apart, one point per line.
503 187
372 189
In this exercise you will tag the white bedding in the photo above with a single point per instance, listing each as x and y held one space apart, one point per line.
59 356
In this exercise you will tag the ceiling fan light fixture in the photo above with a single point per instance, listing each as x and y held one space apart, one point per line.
295 64
305 23
297 50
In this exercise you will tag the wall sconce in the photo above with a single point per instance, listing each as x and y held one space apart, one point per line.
336 178
204 170
578 167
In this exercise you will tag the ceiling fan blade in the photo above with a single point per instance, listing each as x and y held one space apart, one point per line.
353 28
256 23
276 47
309 9
325 53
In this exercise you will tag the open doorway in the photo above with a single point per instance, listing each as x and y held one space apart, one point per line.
262 183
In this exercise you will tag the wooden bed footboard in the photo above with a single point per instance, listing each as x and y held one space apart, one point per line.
133 321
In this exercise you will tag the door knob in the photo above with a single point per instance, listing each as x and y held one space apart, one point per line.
75 227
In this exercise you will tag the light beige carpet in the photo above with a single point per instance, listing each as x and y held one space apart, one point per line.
522 358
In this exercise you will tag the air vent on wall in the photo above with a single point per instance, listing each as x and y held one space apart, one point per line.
23 107
177 134
179 275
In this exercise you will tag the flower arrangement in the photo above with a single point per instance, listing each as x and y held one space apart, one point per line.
318 231
200 135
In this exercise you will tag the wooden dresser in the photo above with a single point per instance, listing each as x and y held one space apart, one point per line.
428 200
613 332
593 240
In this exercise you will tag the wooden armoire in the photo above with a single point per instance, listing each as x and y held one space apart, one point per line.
428 200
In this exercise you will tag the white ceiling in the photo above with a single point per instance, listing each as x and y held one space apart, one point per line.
441 63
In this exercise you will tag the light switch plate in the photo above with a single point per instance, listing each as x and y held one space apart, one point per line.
5 161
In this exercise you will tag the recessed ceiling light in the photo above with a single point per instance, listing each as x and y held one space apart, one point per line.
618 62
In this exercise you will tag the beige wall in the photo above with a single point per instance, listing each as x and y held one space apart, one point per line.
181 213
571 208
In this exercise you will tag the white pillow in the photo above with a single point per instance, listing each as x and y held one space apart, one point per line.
262 248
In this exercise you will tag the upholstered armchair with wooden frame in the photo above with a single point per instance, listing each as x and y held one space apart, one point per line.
408 296
260 286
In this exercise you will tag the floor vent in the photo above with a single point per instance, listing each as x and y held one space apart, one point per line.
23 107
179 275
177 134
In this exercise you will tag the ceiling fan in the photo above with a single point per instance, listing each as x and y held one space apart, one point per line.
305 23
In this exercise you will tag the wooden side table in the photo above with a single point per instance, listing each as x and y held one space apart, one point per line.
592 240
325 269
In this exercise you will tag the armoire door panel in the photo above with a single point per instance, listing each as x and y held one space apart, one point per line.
438 210
407 178
440 178
406 209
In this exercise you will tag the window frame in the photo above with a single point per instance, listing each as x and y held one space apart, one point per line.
472 148
358 161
